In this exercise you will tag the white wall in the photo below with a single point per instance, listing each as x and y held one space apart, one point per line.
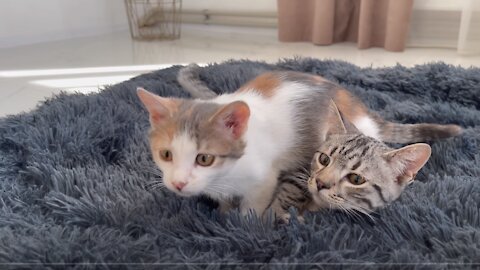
33 21
438 4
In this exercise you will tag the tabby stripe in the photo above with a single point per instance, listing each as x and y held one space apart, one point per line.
356 165
364 151
343 148
379 191
366 201
291 198
348 151
352 157
361 142
294 183
333 150
284 189
353 139
284 205
302 199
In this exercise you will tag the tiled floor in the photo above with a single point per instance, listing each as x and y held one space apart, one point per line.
31 73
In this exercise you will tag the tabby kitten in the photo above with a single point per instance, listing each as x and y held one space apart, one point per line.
236 144
351 172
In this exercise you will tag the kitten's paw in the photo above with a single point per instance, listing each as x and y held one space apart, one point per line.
286 218
301 219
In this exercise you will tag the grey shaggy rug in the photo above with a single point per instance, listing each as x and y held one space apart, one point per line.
73 175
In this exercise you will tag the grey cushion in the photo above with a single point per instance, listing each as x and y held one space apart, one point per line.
73 171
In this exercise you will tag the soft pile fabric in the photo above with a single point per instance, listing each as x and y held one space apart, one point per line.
73 174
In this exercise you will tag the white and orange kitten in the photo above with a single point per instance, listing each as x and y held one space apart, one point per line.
235 145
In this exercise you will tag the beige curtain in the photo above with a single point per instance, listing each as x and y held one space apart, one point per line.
370 23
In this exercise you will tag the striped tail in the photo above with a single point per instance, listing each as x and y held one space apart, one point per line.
189 79
410 133
374 126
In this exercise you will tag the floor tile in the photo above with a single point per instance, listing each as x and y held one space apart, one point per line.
32 73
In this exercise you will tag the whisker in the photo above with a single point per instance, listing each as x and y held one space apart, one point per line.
151 169
360 209
222 188
345 206
155 185
154 172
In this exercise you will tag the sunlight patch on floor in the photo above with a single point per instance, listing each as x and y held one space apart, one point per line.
83 82
76 71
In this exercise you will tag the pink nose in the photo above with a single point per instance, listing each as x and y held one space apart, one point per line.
179 185
319 184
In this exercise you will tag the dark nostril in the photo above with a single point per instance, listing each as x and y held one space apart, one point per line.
179 185
320 185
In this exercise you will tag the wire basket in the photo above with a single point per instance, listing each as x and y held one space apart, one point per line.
154 19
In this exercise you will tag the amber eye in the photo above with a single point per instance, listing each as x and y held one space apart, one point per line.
166 155
324 159
356 179
205 160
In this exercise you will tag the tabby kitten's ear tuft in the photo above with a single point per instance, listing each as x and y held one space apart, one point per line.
407 161
232 118
160 108
334 123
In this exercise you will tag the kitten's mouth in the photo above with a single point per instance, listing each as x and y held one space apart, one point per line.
184 192
315 188
319 197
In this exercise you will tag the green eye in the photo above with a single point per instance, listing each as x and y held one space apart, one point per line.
205 160
166 155
324 159
356 179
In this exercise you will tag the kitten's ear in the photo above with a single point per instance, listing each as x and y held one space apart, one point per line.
351 128
160 108
233 118
407 161
334 123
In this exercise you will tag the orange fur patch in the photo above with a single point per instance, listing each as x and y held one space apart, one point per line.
319 79
162 135
348 105
171 104
265 84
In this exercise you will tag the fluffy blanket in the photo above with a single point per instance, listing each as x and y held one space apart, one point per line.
73 174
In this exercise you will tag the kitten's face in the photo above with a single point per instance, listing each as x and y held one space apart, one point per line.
191 165
356 172
195 143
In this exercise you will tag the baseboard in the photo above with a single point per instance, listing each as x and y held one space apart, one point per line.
220 17
429 28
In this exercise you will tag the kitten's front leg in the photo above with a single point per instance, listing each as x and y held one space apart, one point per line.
279 210
280 206
225 205
292 191
260 197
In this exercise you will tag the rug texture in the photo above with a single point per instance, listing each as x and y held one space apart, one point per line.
73 175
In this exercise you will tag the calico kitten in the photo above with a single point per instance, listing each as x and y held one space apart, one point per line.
236 144
351 172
